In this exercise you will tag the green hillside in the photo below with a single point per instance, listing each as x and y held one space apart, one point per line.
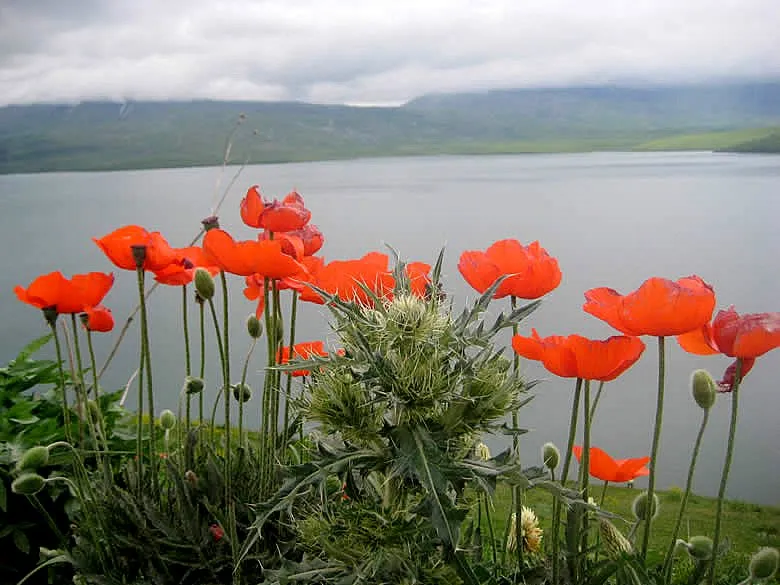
105 136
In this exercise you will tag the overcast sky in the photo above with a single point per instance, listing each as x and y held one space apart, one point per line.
371 51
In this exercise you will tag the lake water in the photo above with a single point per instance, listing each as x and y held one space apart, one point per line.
612 219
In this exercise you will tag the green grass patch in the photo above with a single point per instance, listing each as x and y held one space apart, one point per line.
725 140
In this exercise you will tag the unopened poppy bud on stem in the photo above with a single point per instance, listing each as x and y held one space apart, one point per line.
28 484
551 456
193 385
167 419
254 327
242 392
33 458
204 283
642 508
764 563
700 548
704 389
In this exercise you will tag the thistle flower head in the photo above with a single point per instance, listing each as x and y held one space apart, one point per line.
529 529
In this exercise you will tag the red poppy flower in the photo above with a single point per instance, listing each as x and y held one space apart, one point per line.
217 533
575 356
342 278
99 318
255 289
746 336
66 296
419 277
659 307
118 246
603 467
306 241
302 351
532 271
250 257
182 271
287 216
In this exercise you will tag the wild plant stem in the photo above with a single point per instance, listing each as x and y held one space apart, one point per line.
287 392
146 350
270 331
96 389
81 388
659 413
667 572
575 407
585 471
221 358
517 495
187 361
276 375
726 468
65 405
490 531
226 398
596 401
241 392
201 310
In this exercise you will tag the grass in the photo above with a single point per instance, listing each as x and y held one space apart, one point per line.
747 526
706 140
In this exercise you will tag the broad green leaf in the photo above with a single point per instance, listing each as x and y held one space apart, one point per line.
21 541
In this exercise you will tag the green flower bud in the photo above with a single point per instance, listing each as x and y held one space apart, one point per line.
28 484
167 419
94 409
242 392
204 284
279 329
642 509
614 541
700 548
764 564
33 458
254 327
193 385
551 456
704 389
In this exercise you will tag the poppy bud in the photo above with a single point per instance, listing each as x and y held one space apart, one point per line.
50 314
279 329
28 484
254 327
216 532
482 451
551 456
33 458
139 254
204 284
642 509
210 223
242 392
167 419
193 385
191 477
764 564
704 389
614 541
700 548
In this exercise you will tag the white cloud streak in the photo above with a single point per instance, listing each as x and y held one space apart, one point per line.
383 51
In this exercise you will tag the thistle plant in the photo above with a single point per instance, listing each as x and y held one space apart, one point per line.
400 413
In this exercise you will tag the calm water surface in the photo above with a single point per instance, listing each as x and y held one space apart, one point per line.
611 220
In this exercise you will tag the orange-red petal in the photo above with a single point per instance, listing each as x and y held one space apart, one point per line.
99 318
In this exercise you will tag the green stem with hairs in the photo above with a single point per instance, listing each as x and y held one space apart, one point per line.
241 395
275 374
187 359
52 321
288 389
667 572
222 359
517 492
575 407
201 310
659 413
596 401
726 468
585 473
81 389
226 398
270 331
146 350
96 389
490 531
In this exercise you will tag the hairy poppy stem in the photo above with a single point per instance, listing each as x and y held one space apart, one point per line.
517 493
585 471
659 413
96 389
489 520
266 404
65 406
288 389
81 388
596 401
202 373
667 571
575 407
221 349
726 468
146 350
226 370
187 360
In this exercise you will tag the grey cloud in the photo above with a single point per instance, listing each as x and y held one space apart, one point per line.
372 52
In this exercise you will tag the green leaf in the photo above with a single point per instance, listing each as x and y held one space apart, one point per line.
3 495
21 541
33 347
